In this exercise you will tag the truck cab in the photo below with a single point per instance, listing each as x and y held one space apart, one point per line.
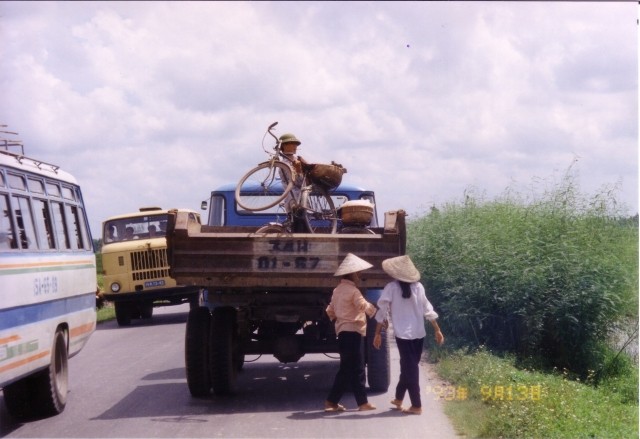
135 266
224 211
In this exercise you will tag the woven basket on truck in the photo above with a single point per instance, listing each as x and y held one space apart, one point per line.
327 177
356 212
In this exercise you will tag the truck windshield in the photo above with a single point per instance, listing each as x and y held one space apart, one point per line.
138 227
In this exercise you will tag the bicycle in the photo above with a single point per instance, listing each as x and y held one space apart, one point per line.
270 183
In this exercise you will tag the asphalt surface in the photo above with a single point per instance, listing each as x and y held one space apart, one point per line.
130 382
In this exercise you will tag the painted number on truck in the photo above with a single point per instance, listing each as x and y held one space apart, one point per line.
266 262
294 255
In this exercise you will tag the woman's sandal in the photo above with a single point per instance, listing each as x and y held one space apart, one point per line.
329 407
412 411
366 406
397 403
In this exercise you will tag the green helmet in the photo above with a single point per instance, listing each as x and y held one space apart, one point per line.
289 138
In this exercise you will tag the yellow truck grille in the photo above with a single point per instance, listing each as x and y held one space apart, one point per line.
149 264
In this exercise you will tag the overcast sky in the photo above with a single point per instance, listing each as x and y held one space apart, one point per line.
156 103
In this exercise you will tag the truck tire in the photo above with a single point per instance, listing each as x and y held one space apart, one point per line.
146 310
222 348
196 352
378 360
44 393
123 313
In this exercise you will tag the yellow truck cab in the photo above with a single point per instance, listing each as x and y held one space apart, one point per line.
135 266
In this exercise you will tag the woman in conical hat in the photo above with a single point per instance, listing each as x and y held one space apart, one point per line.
405 299
348 310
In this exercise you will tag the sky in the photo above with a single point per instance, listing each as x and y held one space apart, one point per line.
158 103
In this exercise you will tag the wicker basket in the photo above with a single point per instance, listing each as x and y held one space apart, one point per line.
356 213
328 177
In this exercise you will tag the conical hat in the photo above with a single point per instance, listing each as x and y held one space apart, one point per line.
352 264
401 268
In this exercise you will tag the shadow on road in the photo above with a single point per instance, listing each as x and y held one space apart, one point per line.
268 386
158 319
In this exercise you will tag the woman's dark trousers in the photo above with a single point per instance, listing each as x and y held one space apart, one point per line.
351 373
410 354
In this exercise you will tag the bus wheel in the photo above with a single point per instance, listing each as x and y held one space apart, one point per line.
123 313
196 352
52 384
222 348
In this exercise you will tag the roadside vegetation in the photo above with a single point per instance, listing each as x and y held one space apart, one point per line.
105 311
531 292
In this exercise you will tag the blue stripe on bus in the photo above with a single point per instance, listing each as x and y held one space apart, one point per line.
37 312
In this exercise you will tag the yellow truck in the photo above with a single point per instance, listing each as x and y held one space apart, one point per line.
135 266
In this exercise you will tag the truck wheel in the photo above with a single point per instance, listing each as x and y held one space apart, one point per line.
196 352
146 310
123 313
44 393
378 360
223 345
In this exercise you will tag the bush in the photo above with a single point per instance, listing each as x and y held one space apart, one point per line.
546 278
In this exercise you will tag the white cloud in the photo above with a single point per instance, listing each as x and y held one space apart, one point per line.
157 103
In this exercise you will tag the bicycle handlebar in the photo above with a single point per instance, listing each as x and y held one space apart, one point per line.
273 135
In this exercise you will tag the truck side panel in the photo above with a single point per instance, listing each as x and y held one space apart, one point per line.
240 258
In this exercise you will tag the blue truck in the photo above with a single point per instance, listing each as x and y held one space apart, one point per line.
265 291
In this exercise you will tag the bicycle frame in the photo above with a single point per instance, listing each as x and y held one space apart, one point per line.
302 212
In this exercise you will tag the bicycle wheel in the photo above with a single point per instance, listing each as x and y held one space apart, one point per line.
264 186
320 213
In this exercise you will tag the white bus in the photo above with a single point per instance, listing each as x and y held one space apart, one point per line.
47 283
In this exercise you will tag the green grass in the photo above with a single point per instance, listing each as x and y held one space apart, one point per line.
106 313
505 401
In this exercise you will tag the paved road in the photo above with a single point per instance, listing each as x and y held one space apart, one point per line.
130 382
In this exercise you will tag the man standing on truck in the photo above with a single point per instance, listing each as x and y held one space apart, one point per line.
289 146
347 310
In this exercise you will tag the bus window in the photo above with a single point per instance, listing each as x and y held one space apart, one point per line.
58 224
67 193
36 186
75 227
26 230
7 238
53 189
16 182
43 224
84 233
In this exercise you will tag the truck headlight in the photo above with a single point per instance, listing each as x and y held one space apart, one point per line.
115 287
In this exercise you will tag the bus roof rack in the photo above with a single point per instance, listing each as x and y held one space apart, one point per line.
5 144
